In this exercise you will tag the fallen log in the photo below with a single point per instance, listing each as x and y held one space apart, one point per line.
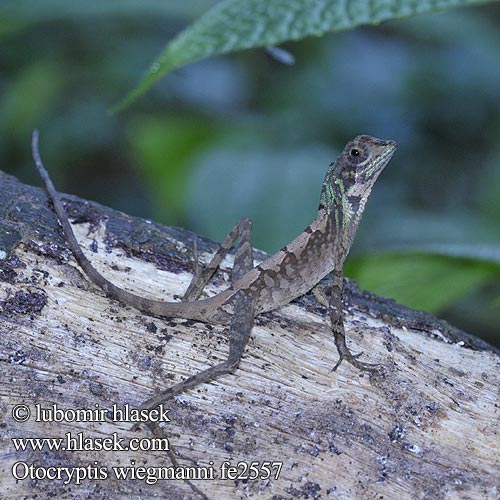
283 427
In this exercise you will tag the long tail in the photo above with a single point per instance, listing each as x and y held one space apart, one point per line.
191 310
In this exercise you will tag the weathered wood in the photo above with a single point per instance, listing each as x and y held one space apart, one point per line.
425 427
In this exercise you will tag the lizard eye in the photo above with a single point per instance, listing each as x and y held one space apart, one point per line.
355 153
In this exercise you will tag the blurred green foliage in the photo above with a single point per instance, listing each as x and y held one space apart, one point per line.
244 135
233 25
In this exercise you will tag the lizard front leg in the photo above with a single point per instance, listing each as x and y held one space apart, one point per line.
337 321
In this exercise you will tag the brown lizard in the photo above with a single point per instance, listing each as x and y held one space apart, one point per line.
291 272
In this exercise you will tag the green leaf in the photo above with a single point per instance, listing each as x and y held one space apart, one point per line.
233 25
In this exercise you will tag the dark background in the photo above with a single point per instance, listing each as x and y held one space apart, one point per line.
244 135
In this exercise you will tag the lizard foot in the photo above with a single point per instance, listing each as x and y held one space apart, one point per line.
353 360
347 355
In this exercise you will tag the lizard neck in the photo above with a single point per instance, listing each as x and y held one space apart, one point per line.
343 214
343 202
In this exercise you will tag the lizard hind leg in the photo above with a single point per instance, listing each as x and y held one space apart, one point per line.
241 322
203 276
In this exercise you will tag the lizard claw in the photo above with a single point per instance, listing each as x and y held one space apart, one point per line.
347 355
353 360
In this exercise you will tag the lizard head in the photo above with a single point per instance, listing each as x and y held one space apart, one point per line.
350 178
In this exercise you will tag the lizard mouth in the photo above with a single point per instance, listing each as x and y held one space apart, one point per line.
388 148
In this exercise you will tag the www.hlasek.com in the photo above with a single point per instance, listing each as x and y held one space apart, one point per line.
79 442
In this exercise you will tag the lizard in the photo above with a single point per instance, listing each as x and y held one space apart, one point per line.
296 269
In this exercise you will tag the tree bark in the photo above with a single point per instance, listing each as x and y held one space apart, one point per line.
424 426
